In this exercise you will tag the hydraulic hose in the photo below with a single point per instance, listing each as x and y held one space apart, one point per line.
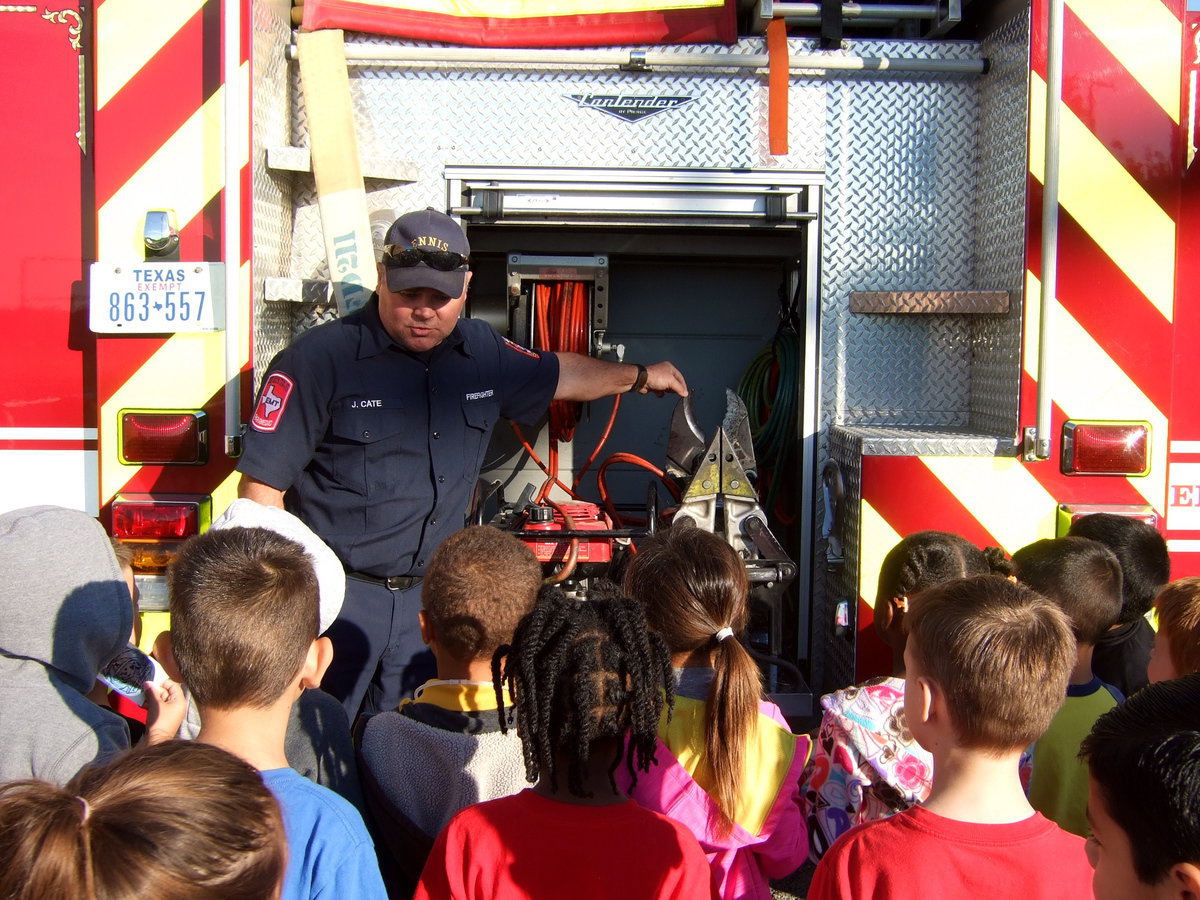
770 388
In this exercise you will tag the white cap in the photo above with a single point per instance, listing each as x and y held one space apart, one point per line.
331 577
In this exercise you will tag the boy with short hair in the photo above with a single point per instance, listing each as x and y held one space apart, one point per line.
244 622
1177 645
1122 652
1082 578
1143 759
986 667
445 750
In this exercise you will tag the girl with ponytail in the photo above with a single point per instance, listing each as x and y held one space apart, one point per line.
728 765
180 820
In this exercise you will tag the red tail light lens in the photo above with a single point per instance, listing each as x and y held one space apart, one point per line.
152 519
1106 448
155 525
164 437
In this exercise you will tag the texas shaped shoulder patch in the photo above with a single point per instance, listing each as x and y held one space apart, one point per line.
271 402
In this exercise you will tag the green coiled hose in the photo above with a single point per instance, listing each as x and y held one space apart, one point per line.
770 387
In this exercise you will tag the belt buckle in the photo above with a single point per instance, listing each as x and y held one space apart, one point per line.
400 582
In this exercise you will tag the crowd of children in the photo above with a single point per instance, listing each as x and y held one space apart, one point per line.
618 745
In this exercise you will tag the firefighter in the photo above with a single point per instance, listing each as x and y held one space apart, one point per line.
373 428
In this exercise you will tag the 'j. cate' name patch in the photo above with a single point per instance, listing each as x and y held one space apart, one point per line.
513 345
271 402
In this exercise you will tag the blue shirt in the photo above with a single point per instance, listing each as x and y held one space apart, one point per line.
377 448
330 853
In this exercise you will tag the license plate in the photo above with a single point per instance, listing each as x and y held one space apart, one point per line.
157 298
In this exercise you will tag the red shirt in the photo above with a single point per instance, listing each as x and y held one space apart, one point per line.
916 855
529 846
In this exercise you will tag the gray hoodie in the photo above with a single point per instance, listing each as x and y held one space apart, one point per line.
65 612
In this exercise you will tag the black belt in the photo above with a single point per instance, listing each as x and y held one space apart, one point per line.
395 583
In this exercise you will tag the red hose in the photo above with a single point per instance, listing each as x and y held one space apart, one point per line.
612 418
602 484
572 556
565 332
536 460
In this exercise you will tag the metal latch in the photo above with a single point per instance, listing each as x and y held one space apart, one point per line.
636 62
160 236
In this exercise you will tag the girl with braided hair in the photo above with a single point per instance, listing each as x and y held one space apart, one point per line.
729 766
590 683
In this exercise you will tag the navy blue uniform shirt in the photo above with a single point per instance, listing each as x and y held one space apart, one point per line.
378 449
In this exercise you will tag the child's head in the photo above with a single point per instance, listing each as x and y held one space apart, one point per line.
693 587
1144 760
585 675
177 819
1177 645
919 561
124 555
331 576
691 584
480 582
74 615
1141 551
243 616
999 654
1081 576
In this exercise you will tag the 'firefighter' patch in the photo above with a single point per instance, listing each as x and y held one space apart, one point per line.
513 345
271 402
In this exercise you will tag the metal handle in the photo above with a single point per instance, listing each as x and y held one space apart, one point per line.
1037 444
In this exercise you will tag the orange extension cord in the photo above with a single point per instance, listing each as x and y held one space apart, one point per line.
567 331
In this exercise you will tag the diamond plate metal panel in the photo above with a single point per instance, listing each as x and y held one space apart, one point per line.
900 189
1000 248
928 302
907 371
440 115
877 440
271 191
522 116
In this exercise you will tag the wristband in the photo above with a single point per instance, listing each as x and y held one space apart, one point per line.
640 381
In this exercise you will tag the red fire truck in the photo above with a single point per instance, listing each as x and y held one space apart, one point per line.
944 254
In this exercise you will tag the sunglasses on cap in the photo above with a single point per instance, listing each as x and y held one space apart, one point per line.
407 257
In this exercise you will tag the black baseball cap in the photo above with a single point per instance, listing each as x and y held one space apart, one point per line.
432 231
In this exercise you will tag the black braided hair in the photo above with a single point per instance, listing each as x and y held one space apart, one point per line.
581 671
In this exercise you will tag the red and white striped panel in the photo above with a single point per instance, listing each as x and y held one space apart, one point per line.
160 137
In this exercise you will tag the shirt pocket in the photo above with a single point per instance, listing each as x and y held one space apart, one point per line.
480 418
364 446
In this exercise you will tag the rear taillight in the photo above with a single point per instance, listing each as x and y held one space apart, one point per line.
164 437
140 520
154 525
1106 448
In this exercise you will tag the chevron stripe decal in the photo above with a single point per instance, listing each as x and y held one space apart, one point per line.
160 142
